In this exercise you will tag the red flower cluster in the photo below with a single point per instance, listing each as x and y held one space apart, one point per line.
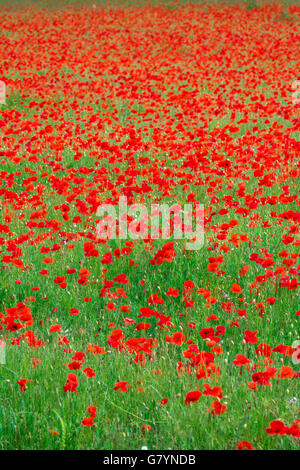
185 105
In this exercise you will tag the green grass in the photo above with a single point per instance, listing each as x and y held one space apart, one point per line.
26 417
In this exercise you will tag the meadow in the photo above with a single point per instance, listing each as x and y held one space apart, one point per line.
121 344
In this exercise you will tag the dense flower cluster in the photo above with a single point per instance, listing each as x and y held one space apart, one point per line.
185 105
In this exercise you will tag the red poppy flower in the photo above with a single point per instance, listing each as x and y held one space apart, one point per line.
192 397
22 383
121 386
244 445
163 401
88 422
71 384
89 372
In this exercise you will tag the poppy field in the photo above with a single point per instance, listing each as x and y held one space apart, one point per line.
142 343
